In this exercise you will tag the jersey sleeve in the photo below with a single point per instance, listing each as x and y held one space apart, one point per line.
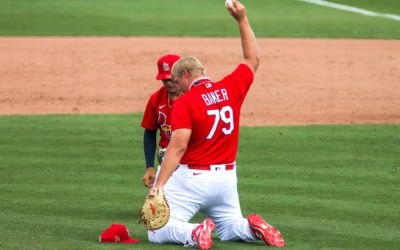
240 80
149 120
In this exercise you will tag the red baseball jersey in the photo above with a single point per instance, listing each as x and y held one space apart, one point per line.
158 115
212 112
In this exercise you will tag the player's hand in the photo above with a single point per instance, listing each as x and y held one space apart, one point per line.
237 10
148 178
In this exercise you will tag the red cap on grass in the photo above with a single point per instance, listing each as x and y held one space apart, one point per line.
117 233
165 65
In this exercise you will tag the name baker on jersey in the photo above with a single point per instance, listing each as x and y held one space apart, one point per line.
215 97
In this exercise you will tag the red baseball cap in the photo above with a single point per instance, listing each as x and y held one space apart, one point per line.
117 233
165 65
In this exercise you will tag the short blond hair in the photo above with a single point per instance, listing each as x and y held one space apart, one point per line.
190 64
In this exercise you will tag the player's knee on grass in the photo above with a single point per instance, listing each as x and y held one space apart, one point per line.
237 230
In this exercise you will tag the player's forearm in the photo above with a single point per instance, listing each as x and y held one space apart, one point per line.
249 44
168 166
149 146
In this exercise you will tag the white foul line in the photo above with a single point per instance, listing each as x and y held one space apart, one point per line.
352 9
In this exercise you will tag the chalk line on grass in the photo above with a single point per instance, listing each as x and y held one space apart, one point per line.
352 9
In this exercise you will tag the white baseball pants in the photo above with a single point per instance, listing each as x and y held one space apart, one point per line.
212 193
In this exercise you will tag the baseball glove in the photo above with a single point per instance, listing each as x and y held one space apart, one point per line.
155 210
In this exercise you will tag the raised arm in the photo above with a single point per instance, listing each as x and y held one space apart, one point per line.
248 39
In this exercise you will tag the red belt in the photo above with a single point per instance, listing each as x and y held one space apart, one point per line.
215 167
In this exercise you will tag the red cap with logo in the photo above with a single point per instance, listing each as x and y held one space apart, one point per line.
117 233
165 65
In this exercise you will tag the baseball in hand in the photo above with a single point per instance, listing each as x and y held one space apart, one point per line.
228 3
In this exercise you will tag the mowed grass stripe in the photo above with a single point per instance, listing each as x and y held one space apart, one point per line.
69 177
378 194
328 224
17 193
350 211
336 235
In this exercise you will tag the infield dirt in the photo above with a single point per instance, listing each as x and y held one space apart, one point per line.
317 81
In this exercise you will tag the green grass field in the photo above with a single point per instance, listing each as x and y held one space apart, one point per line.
270 18
66 178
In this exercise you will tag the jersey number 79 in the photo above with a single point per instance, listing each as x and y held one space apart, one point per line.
226 116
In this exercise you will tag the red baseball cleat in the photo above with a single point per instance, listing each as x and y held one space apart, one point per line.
263 231
202 234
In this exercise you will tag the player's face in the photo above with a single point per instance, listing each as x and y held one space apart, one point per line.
181 82
171 86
